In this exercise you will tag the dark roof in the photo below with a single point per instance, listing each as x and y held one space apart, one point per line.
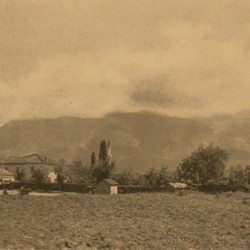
29 159
111 182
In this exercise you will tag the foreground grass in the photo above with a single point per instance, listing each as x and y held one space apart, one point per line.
134 221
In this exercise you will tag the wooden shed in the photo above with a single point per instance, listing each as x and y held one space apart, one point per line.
107 186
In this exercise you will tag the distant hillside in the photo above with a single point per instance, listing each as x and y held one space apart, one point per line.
138 140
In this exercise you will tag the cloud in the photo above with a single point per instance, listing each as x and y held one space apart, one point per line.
88 58
151 94
67 86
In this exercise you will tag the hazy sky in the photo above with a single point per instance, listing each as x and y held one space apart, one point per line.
88 58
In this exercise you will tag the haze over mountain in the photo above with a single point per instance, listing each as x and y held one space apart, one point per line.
138 140
90 58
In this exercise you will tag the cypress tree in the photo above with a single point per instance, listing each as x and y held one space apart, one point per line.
93 159
103 153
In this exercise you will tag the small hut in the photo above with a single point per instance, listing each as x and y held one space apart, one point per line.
107 186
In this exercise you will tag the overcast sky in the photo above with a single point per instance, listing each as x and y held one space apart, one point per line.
88 58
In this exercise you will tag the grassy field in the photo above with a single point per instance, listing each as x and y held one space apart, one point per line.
135 221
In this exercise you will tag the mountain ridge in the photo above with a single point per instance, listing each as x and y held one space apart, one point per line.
138 140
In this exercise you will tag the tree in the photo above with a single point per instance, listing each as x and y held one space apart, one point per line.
78 173
39 176
238 176
93 159
60 175
105 165
203 165
20 175
103 152
103 170
163 177
155 179
125 177
149 180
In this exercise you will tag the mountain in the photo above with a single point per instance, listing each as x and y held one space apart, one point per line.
138 140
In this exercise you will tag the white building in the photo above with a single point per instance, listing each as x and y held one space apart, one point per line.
6 176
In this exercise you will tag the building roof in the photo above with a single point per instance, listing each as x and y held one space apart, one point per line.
111 182
177 184
29 159
4 172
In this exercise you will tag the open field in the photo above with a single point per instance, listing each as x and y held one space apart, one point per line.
136 221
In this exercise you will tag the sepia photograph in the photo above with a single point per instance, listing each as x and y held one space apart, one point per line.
125 125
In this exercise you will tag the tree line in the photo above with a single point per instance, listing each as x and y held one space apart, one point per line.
205 165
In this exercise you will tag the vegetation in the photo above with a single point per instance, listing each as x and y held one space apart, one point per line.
77 173
105 165
206 165
103 170
238 176
103 152
20 175
60 175
39 176
125 177
93 159
132 221
155 179
203 165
